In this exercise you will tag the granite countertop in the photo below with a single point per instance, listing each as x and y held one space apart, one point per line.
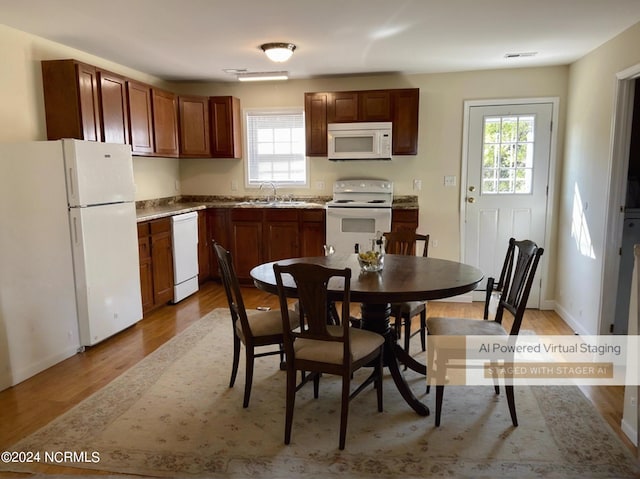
163 207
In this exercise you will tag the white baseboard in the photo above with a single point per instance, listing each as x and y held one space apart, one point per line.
462 298
630 431
570 320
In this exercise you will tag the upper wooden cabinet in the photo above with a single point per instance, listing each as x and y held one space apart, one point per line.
226 127
399 106
71 100
315 119
210 127
193 125
153 120
405 121
348 106
88 103
114 107
165 122
342 107
140 118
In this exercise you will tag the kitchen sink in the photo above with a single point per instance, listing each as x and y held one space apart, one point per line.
272 203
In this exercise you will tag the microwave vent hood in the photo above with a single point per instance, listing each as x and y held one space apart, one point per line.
359 141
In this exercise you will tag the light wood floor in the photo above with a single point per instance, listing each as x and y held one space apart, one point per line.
35 402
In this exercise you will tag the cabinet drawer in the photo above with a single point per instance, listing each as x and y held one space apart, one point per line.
281 215
246 214
313 215
160 226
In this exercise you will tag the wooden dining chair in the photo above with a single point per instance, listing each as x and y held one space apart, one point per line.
520 271
253 328
318 347
494 290
405 242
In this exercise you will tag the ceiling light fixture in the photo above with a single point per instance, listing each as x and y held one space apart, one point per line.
520 54
278 52
263 76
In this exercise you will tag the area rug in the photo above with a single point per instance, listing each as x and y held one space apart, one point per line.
173 415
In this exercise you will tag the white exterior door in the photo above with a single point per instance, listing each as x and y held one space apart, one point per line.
506 182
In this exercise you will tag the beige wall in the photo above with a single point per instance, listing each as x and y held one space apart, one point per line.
587 170
440 123
439 148
22 113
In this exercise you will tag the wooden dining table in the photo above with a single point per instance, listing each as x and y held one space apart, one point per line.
403 278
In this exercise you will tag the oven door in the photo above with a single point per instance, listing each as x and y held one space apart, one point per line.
348 227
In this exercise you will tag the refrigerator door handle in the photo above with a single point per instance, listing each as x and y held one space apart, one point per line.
71 188
75 230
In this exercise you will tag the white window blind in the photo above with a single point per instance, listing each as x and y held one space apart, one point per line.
275 147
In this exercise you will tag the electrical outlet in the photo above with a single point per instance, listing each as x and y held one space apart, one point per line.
319 185
434 243
177 185
417 185
234 185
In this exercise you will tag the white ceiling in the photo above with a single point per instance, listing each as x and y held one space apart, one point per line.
199 39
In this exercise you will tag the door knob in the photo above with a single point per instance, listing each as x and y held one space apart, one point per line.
471 199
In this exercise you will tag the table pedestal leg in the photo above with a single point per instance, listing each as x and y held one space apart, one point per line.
375 317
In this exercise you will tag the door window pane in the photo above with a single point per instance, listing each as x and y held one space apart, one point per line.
507 162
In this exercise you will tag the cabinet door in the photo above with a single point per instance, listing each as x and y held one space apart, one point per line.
146 269
246 240
282 234
165 122
72 106
162 260
193 117
405 121
89 103
315 119
342 107
226 127
114 107
217 230
312 233
204 270
404 220
140 118
375 105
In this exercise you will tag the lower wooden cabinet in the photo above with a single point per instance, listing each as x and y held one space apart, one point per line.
253 235
281 234
404 219
258 235
156 263
204 248
312 232
218 231
246 243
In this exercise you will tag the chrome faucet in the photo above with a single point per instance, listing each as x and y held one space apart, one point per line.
273 187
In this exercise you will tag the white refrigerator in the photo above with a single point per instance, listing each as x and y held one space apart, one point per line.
69 274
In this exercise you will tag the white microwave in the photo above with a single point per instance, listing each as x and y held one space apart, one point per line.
359 141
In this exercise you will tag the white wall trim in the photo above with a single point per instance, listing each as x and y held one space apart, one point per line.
462 298
577 327
553 154
616 191
630 431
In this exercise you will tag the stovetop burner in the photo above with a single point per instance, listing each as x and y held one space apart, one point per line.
364 193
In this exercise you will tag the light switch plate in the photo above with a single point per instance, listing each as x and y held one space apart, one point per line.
449 180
